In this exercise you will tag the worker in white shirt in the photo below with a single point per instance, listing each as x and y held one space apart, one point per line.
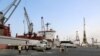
19 49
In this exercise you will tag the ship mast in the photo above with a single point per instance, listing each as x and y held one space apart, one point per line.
47 26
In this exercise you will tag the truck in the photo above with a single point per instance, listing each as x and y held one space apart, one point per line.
42 45
48 44
39 45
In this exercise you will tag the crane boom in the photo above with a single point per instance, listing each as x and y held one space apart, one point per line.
10 6
29 24
26 16
15 3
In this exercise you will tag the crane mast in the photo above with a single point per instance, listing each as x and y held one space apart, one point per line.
29 24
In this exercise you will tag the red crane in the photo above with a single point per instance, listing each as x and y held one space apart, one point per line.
5 16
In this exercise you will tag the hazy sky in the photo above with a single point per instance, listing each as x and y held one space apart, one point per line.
65 16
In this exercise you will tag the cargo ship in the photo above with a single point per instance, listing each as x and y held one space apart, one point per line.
5 30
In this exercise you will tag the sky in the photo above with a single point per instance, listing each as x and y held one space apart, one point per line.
64 16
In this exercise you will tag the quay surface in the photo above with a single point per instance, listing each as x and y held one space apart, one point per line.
53 52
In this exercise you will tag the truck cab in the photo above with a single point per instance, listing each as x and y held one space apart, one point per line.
40 46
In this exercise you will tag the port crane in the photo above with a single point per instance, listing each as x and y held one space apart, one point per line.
5 16
29 24
84 43
5 34
77 41
30 34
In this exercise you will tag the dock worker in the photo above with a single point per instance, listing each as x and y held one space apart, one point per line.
62 48
19 49
27 48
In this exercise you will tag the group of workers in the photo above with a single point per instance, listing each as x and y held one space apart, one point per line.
20 48
27 48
